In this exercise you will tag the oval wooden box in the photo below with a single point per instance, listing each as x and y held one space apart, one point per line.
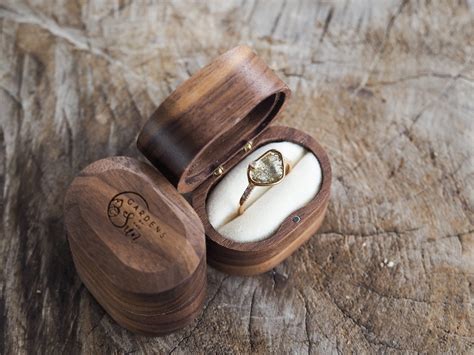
137 245
201 131
258 257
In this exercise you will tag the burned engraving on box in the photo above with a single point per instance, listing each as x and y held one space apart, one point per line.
129 212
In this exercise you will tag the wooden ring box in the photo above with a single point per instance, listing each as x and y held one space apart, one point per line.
138 245
202 129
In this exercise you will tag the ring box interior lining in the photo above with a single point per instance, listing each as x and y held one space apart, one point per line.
258 221
260 256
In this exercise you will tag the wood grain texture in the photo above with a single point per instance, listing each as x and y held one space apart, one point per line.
210 117
386 87
137 245
261 256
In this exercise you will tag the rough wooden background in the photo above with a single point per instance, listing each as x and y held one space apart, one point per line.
387 87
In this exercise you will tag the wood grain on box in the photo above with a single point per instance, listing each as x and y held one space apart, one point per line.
209 117
137 245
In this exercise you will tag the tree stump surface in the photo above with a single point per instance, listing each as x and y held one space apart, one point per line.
387 88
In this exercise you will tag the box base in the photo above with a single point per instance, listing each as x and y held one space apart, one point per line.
258 257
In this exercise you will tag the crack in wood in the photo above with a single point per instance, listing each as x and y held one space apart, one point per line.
408 299
249 327
306 321
381 49
80 42
277 18
327 22
201 318
355 234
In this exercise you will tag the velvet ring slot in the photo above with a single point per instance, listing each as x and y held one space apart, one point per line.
284 235
259 222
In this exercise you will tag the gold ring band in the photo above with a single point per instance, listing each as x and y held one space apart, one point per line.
268 169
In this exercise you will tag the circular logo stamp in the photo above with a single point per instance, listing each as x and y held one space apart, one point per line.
129 212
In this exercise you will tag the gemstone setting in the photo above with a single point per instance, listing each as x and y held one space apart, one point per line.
268 169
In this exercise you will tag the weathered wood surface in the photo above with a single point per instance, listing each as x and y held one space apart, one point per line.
387 87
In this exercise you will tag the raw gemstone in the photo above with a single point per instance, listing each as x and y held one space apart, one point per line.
268 169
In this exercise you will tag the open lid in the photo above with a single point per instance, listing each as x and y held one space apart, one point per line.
211 116
138 231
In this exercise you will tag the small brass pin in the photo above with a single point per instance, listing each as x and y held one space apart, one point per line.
248 146
219 171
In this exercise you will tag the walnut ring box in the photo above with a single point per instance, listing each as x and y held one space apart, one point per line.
140 247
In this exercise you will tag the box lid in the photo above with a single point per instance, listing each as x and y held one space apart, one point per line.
211 116
140 234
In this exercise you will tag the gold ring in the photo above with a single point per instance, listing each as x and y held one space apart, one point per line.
268 169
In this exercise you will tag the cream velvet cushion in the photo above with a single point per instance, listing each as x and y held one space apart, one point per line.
267 207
